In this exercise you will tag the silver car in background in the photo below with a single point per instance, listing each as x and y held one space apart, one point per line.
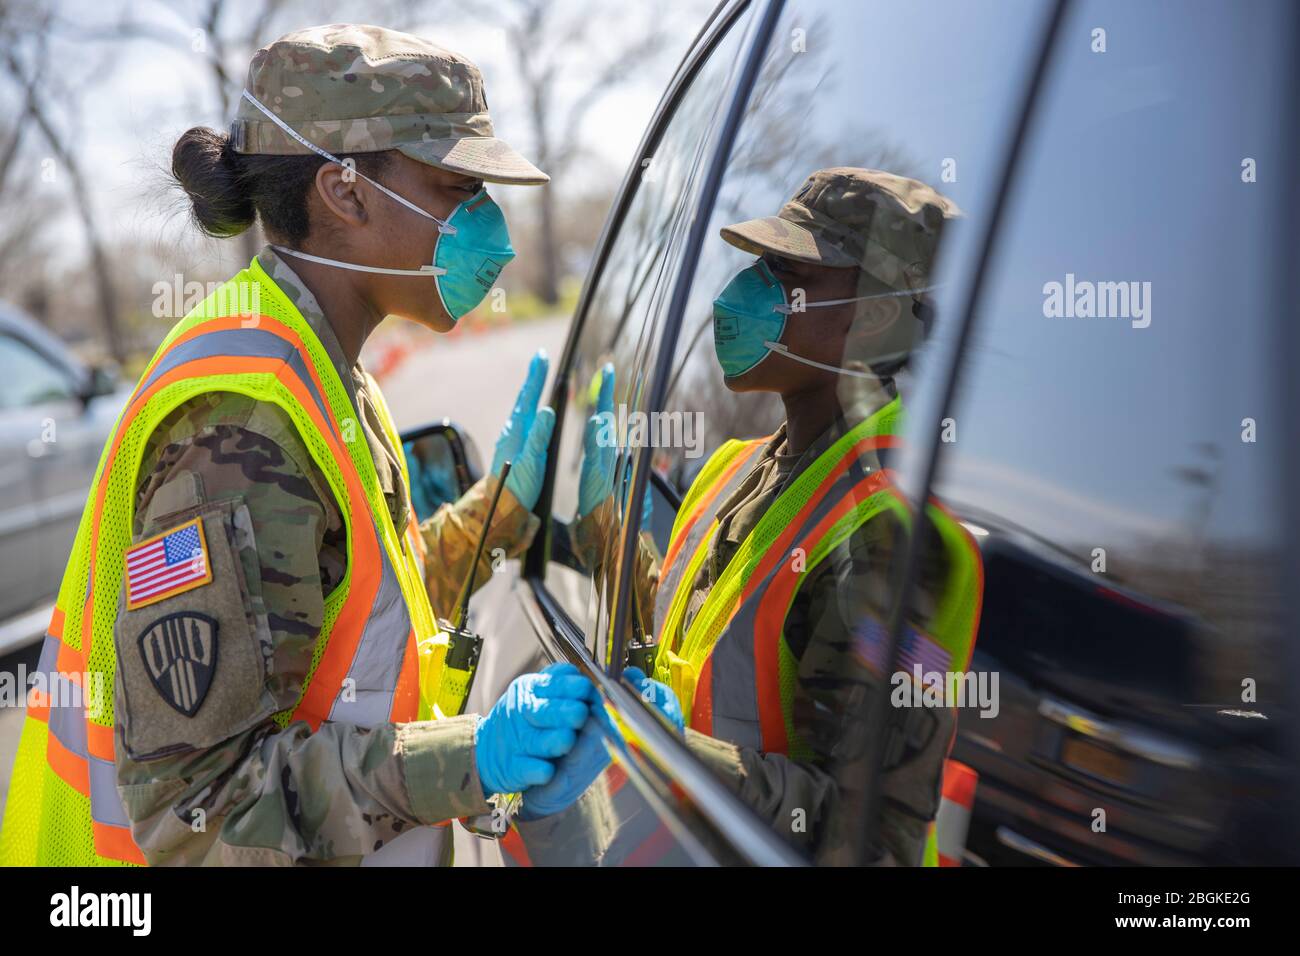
56 412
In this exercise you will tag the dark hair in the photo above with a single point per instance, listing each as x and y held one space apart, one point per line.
229 190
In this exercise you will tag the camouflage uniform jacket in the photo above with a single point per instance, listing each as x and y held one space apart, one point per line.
243 789
816 800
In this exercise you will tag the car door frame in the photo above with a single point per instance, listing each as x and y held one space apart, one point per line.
735 822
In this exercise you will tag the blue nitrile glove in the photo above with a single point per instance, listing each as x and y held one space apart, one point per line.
658 695
579 768
526 436
535 721
574 772
599 448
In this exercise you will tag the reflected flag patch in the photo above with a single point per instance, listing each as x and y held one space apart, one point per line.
870 638
167 564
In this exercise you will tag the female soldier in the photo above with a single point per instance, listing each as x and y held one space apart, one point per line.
248 581
769 606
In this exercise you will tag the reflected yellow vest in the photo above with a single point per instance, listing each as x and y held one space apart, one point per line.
732 669
63 807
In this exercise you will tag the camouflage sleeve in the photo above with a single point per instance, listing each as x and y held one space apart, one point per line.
792 796
451 535
592 535
216 779
612 824
578 836
646 582
589 533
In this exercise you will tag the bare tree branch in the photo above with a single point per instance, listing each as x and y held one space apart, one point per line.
35 107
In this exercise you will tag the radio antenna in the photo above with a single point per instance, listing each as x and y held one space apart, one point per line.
463 616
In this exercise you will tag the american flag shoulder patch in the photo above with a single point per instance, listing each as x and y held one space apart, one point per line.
167 564
914 648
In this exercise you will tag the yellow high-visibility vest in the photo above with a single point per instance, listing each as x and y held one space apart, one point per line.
63 807
732 670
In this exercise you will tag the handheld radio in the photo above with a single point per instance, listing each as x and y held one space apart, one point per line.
449 659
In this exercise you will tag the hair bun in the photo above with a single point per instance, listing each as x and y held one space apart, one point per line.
208 169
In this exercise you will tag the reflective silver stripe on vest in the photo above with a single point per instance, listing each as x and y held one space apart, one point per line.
238 343
67 715
49 654
105 801
732 674
67 722
367 695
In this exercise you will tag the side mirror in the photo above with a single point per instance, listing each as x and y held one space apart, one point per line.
443 462
99 380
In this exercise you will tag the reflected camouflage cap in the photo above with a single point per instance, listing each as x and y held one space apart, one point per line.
888 225
351 88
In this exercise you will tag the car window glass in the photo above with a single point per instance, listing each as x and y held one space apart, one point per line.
1115 440
29 378
866 148
615 343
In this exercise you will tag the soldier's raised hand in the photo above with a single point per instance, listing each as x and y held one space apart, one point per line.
526 436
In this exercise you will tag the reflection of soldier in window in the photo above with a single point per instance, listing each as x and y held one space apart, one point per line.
769 603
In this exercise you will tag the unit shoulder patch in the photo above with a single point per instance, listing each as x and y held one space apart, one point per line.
180 656
167 564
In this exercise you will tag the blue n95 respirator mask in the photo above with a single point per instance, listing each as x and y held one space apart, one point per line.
473 242
749 317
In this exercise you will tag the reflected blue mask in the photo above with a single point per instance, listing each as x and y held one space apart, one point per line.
747 314
749 319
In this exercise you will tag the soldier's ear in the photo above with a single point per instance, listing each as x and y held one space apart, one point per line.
344 194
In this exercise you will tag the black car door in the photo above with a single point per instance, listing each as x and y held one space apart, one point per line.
1114 445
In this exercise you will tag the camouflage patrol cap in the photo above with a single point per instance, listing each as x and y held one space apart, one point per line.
351 88
844 216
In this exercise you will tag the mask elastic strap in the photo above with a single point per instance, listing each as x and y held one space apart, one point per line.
429 270
778 347
782 350
788 310
443 226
